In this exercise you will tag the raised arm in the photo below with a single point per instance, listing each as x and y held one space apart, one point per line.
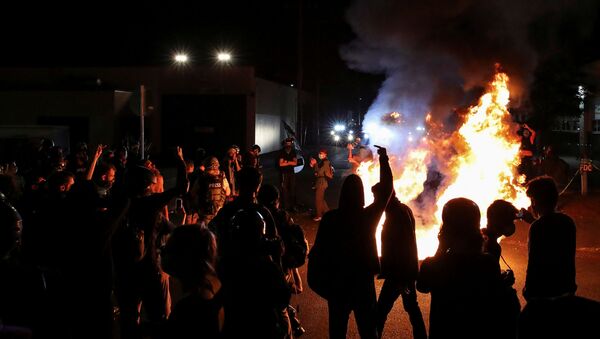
97 155
382 191
532 131
181 186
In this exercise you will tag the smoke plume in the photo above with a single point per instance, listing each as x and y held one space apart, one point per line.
437 55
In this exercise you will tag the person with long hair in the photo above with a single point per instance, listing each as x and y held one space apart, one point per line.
343 262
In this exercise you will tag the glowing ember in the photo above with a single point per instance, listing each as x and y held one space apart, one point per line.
482 165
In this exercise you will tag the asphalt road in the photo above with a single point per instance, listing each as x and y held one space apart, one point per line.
313 309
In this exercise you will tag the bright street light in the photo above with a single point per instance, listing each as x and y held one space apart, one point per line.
224 57
181 58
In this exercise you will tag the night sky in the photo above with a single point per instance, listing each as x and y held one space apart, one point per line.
263 34
377 38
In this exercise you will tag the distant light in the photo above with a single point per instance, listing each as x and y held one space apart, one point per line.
224 57
181 58
339 128
332 133
410 138
336 137
350 137
351 132
423 139
420 128
366 136
291 85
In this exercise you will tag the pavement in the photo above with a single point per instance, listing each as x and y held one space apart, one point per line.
313 309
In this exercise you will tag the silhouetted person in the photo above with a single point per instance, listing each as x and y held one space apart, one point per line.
140 280
551 260
251 158
501 217
86 261
295 246
77 162
190 257
343 262
464 282
44 228
231 166
249 180
550 286
399 266
287 160
255 290
28 299
527 151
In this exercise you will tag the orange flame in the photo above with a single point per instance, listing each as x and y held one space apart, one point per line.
482 168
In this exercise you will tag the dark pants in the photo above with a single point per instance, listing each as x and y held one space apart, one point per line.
320 203
145 286
361 299
390 292
288 190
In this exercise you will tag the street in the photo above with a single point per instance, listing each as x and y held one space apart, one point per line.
313 309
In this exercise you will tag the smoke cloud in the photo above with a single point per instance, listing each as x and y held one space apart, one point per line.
438 55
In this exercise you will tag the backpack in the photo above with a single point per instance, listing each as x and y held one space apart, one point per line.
296 246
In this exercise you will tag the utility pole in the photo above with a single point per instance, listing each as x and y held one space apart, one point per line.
585 164
299 76
142 114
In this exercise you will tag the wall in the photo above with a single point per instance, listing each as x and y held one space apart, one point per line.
274 103
88 114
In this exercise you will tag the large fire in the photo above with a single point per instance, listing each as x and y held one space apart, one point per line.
478 162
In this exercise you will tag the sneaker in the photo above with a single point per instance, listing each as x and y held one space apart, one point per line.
317 219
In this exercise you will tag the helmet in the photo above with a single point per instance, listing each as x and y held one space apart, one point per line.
211 163
248 225
460 215
256 147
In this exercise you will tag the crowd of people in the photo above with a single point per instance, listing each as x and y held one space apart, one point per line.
91 249
92 246
471 297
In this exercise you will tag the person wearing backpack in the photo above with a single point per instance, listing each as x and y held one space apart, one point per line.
323 173
295 247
